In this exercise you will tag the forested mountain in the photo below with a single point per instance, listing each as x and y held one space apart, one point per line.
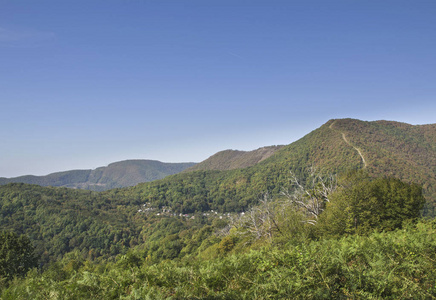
382 148
232 234
59 220
395 149
118 174
234 159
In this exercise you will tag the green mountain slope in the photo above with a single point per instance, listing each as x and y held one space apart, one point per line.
118 174
384 148
234 159
395 149
60 220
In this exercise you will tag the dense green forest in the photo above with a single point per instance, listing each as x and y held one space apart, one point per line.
313 221
380 249
387 265
390 149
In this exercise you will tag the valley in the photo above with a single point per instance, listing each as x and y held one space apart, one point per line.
232 232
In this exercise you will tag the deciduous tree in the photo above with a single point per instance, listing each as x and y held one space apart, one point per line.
363 204
16 255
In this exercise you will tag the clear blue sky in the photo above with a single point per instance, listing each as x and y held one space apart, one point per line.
87 83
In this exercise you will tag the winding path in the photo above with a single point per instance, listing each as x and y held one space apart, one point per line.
348 143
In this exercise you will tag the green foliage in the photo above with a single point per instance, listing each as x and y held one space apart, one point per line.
411 157
397 150
16 255
389 265
59 220
226 244
364 204
98 245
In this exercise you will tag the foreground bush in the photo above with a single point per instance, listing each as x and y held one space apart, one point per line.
389 265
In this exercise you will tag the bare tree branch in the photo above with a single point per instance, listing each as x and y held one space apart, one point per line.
313 196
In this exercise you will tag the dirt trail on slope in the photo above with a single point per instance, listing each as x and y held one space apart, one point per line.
348 142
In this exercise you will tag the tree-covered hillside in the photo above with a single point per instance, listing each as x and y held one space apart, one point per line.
118 174
234 159
383 148
270 252
331 216
396 149
58 220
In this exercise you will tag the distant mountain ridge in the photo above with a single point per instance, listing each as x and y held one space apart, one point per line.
382 148
118 174
233 180
234 159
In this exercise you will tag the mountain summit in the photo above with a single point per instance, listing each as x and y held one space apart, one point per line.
382 148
